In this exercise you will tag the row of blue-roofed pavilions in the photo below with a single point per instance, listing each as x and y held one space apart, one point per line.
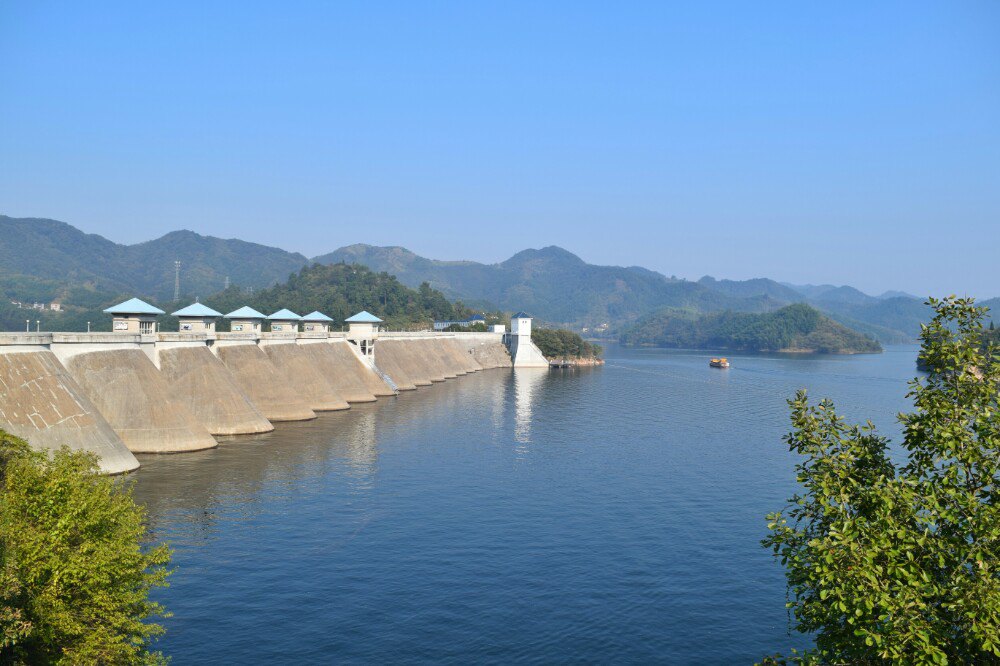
137 316
139 390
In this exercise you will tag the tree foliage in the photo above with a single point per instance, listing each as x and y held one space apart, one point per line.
341 290
74 577
797 327
557 343
890 564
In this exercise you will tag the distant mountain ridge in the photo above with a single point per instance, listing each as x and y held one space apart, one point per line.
57 252
551 283
558 286
44 260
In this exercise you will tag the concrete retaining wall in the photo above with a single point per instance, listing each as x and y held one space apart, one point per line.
200 381
385 359
42 403
267 387
426 352
422 370
166 392
299 364
136 401
371 380
341 368
487 349
398 365
462 357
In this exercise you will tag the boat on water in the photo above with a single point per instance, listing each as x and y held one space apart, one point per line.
719 363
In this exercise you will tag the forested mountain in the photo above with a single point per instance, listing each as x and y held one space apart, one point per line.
552 284
559 287
45 260
794 328
341 290
42 259
338 291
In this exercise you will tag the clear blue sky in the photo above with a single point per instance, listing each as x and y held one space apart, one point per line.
843 142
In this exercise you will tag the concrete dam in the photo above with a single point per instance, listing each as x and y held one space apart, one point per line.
141 391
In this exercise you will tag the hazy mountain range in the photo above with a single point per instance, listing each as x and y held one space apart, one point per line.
47 260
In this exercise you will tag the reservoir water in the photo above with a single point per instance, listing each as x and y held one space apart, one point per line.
600 515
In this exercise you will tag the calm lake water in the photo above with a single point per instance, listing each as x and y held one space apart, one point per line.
604 515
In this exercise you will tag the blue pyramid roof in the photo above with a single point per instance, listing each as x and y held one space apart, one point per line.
245 312
316 315
284 315
521 315
196 310
363 317
134 306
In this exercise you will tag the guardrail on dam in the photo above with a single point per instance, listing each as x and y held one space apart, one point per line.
115 394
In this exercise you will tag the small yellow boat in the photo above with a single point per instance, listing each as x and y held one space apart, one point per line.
719 363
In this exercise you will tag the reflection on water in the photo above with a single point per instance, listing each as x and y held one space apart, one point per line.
526 382
608 514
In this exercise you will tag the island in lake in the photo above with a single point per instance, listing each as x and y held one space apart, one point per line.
794 328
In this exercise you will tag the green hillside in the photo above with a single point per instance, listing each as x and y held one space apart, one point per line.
796 328
338 291
46 258
552 284
341 290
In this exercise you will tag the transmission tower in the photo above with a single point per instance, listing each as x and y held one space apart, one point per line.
177 280
227 282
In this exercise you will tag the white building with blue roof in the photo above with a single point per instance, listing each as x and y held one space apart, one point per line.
316 322
284 321
245 320
134 316
362 330
196 318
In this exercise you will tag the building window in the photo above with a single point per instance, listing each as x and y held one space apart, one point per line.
145 327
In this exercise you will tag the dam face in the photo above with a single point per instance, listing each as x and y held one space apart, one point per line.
199 380
344 370
270 389
40 402
299 365
113 394
134 398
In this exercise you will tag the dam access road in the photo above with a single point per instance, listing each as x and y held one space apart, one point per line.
116 394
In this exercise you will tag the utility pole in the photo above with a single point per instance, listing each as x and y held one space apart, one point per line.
88 327
177 280
27 326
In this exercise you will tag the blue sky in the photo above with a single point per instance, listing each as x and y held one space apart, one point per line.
852 142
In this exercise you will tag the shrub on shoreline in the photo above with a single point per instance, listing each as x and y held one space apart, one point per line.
74 576
888 564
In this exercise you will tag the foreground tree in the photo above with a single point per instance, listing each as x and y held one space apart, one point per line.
888 565
74 579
